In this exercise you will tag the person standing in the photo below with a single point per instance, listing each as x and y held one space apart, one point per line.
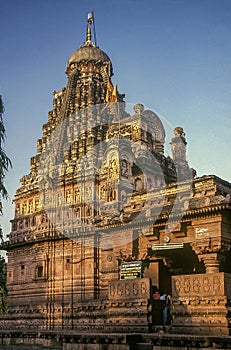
156 295
165 298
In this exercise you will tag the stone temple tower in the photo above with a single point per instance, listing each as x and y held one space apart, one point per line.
101 192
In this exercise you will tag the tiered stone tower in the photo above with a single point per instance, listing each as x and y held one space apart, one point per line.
101 192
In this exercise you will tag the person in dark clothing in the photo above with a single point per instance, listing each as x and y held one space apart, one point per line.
166 309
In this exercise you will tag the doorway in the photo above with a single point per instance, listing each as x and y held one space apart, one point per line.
164 278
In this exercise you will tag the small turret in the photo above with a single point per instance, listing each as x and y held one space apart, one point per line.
179 155
179 145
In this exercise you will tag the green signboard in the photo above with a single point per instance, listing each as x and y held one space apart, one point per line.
131 270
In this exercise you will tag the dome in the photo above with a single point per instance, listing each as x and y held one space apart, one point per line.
88 52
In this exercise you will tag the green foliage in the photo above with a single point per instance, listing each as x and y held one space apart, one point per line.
5 162
3 289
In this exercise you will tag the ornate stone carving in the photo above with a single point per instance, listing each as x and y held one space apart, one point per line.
127 290
198 285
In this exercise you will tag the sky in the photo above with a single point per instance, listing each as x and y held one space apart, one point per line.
171 55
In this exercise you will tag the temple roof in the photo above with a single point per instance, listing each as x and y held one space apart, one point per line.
88 52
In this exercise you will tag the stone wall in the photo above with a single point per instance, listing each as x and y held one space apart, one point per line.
201 303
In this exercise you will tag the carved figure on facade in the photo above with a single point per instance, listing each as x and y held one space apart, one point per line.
68 197
135 132
124 168
111 194
113 168
77 195
17 209
24 208
103 192
30 207
138 184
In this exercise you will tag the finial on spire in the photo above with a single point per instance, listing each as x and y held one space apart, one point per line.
91 22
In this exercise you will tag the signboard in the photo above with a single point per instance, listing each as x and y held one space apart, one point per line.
167 246
131 270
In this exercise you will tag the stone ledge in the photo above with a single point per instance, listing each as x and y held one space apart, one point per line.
114 341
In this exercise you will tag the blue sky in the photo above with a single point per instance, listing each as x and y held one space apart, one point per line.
171 55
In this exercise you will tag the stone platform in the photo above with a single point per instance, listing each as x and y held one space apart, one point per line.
71 340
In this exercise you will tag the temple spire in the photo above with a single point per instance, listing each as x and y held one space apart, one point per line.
91 22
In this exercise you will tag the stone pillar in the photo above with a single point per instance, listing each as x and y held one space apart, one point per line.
210 250
211 262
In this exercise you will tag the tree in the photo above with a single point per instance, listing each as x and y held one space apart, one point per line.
3 289
5 162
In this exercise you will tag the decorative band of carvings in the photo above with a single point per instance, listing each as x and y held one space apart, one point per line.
210 284
129 289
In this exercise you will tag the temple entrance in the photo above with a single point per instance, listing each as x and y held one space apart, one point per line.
171 259
160 291
160 275
175 259
164 278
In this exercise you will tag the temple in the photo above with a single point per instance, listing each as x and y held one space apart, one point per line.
105 218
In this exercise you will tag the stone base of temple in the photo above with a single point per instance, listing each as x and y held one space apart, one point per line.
73 340
210 317
200 306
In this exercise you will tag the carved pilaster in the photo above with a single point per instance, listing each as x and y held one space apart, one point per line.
211 262
211 251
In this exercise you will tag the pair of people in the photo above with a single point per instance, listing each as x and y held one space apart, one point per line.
166 316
